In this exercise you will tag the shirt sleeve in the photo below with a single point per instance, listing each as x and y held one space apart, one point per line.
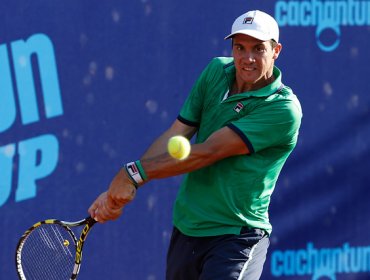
191 111
272 124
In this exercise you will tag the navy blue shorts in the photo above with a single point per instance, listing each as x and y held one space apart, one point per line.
218 257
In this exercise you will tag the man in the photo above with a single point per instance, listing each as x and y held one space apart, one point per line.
247 124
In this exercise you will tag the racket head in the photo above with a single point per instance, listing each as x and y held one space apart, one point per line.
50 250
46 251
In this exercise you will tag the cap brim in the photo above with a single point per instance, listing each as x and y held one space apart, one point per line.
252 33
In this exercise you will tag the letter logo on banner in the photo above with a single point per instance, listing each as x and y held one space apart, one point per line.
320 263
326 16
38 156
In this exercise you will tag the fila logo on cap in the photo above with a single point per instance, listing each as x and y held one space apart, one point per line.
248 20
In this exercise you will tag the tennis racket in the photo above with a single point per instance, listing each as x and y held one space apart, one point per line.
50 250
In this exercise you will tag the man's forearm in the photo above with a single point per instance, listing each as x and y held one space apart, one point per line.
163 165
159 146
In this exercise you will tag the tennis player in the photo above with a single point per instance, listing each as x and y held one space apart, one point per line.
246 124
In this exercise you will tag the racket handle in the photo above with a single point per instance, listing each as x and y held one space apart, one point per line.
90 220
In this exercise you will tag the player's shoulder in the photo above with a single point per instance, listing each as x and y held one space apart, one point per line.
288 93
217 67
222 62
285 101
291 101
284 93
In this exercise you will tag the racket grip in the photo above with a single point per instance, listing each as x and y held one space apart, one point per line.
90 220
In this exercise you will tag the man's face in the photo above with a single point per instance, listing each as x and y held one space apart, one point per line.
254 61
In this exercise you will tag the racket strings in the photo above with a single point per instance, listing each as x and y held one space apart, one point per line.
48 253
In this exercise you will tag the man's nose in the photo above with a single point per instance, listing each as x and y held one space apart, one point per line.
248 56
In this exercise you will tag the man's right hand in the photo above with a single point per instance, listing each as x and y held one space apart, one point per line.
109 205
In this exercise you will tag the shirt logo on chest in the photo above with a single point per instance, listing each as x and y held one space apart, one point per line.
238 107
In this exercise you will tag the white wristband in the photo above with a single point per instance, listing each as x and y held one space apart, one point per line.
134 173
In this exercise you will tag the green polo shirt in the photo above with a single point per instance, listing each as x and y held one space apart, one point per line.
236 191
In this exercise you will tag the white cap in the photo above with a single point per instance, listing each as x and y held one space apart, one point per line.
256 24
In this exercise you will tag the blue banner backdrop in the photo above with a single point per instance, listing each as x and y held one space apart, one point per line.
87 85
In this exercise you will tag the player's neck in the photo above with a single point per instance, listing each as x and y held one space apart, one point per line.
239 87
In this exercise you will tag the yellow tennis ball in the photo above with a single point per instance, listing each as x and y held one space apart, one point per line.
178 147
66 243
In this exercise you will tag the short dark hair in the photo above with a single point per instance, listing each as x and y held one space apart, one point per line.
273 43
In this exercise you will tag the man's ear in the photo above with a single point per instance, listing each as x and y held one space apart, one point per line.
277 50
